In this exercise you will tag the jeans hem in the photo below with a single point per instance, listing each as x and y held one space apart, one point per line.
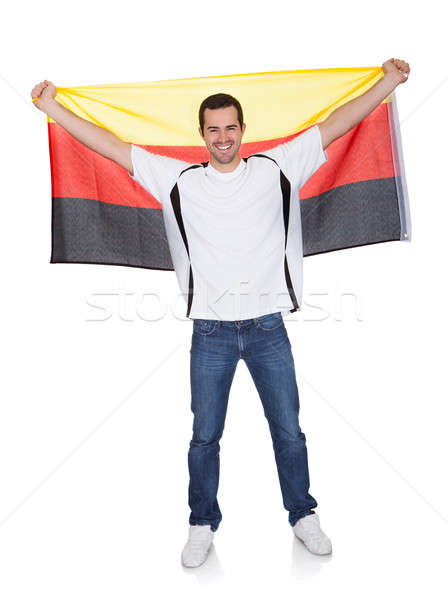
294 521
213 526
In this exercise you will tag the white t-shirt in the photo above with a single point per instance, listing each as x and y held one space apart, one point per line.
227 231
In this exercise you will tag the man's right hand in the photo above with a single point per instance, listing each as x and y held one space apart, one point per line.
93 136
42 93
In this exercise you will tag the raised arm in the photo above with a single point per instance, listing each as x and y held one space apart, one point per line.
353 112
94 137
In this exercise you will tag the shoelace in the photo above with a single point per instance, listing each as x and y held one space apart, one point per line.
197 539
312 528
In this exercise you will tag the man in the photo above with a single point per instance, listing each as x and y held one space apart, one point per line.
233 227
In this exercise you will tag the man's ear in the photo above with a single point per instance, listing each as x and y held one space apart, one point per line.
200 132
243 128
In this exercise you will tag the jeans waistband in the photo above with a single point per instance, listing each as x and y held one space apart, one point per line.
243 322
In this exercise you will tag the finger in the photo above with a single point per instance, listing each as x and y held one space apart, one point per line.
39 89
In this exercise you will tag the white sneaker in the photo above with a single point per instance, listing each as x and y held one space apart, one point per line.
308 530
200 538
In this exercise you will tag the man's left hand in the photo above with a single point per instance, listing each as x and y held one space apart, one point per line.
398 68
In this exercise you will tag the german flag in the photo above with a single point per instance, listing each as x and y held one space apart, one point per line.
102 216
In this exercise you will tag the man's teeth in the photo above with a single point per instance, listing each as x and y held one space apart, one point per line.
224 147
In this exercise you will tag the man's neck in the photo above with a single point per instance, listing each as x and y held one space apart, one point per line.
225 168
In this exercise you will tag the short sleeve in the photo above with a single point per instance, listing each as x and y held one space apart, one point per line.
157 174
301 157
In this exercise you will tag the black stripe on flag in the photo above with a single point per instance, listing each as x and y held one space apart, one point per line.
93 232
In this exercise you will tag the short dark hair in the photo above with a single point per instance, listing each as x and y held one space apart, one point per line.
219 101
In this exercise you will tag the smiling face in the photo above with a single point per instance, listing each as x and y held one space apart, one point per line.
222 135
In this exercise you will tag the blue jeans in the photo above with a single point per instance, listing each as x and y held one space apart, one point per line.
216 348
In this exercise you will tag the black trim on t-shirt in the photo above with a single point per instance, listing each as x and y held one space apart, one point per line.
175 202
285 186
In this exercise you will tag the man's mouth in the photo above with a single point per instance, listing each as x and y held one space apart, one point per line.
223 147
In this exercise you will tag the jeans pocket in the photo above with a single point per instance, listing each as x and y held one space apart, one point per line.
270 322
205 326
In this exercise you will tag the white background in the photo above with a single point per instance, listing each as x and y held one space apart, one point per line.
95 415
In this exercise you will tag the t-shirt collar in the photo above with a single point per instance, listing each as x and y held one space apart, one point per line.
212 172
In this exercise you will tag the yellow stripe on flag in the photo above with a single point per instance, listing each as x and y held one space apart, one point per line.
165 113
